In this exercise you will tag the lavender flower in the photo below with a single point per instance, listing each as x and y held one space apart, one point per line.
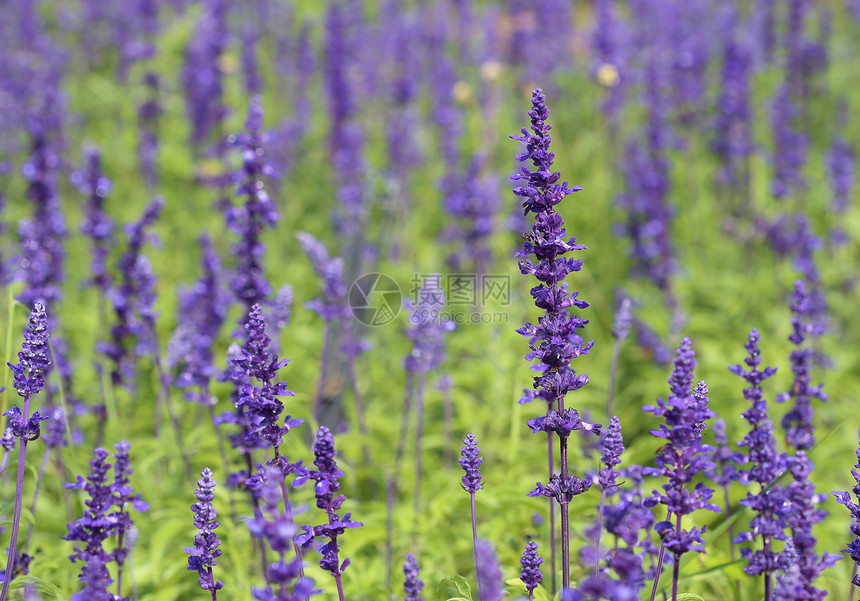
123 498
732 141
327 478
471 464
205 550
258 403
28 379
412 584
132 299
148 116
844 498
790 144
96 525
97 225
490 577
553 341
797 422
247 221
841 159
765 466
801 516
202 74
202 311
685 412
531 574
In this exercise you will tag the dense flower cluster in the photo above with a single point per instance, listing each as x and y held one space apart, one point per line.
327 477
205 550
797 422
765 466
412 584
471 464
685 412
844 498
258 212
531 575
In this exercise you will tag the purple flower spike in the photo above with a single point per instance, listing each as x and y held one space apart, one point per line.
531 562
489 572
613 448
205 550
33 359
471 464
327 498
412 584
765 466
94 528
798 421
553 341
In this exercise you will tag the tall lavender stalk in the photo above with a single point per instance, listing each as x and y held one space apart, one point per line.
472 483
327 477
553 341
765 466
685 412
205 550
29 379
843 497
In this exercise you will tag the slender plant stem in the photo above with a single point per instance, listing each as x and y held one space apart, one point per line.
448 417
45 458
359 407
288 512
212 583
475 546
339 585
419 431
613 372
658 571
19 499
565 516
728 506
323 371
768 584
257 513
389 527
552 545
404 424
119 564
599 532
675 574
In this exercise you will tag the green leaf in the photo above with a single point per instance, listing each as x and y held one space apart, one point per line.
689 597
43 586
455 587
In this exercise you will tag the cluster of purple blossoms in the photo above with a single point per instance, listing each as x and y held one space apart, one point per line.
531 575
553 341
285 580
327 477
732 141
412 583
258 212
798 421
789 146
258 409
471 462
205 550
765 466
148 116
844 498
97 225
202 75
132 299
490 577
685 412
802 570
841 160
42 255
202 311
99 523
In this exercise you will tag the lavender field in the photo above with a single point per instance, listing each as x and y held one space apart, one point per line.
451 300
